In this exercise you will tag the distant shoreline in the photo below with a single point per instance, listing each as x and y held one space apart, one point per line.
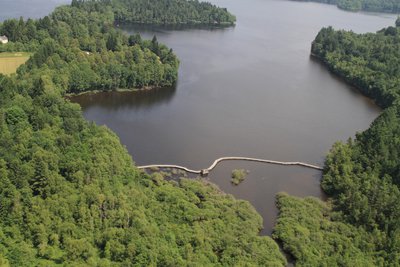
89 92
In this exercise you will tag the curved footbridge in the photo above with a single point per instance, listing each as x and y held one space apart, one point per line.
205 172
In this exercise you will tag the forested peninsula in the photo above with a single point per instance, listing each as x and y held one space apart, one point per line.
360 224
70 194
388 6
77 50
165 12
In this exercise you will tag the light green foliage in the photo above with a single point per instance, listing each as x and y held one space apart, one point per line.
309 233
9 62
238 176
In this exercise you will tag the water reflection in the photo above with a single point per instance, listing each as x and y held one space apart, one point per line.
264 181
166 28
134 100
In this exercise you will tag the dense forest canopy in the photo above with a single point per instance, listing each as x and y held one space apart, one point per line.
70 194
362 176
371 62
164 12
311 233
388 6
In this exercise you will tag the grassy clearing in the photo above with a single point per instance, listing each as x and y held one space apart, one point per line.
14 54
9 62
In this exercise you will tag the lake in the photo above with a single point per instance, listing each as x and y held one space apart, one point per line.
250 90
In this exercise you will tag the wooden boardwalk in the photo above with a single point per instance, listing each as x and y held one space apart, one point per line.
169 167
215 163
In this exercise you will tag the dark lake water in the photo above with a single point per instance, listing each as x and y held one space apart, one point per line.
251 90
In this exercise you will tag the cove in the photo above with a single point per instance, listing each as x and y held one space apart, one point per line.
251 90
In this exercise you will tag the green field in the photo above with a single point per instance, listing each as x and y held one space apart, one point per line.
9 62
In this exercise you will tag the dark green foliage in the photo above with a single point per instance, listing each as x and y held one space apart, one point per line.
371 62
171 12
135 39
388 6
161 12
362 177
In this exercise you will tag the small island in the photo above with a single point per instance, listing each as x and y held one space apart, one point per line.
238 176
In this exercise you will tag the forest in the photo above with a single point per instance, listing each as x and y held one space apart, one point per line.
72 196
79 50
70 193
388 6
360 223
371 62
162 12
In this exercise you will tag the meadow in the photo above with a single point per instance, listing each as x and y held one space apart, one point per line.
9 62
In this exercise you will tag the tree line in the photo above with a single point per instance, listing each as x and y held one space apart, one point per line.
162 12
388 6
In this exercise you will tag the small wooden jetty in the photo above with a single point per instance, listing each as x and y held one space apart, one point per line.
205 172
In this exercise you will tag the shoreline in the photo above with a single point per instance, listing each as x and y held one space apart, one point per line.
119 90
343 78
